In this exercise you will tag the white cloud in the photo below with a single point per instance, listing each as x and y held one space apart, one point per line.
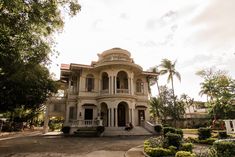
196 33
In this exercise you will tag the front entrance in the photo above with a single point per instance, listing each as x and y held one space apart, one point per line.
88 114
141 116
121 115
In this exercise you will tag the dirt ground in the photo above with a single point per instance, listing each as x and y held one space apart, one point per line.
58 146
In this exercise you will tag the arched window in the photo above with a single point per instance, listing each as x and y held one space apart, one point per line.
105 81
139 86
90 83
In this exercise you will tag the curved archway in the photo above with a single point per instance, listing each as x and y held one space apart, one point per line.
123 114
105 81
104 113
122 82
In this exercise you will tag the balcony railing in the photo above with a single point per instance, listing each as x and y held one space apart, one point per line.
105 91
125 91
86 123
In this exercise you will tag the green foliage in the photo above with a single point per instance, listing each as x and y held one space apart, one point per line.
208 141
172 139
220 89
224 148
158 128
172 130
168 129
66 129
204 133
26 37
187 147
222 134
158 152
154 142
184 154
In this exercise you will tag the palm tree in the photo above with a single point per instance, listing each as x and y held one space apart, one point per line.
167 67
156 70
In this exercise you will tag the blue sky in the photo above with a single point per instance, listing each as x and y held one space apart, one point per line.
197 33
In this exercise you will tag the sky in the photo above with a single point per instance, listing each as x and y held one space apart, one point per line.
198 34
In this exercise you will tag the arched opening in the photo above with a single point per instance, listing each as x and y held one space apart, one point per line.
90 82
104 113
105 81
139 86
123 114
122 82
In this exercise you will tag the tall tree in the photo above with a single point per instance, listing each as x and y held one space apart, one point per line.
26 43
156 79
220 88
167 67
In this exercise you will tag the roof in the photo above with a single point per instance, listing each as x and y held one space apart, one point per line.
65 66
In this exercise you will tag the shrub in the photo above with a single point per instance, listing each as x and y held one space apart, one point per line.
179 131
187 147
168 129
224 148
222 134
209 141
184 154
204 133
158 152
66 129
173 149
158 128
172 139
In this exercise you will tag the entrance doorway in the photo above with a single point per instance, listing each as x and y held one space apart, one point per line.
141 116
88 114
104 113
122 113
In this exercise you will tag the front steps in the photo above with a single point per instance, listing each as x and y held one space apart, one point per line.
86 132
120 131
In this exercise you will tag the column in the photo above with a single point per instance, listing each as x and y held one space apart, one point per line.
233 121
132 87
133 116
115 85
129 86
110 114
129 112
228 126
112 117
111 85
46 120
116 117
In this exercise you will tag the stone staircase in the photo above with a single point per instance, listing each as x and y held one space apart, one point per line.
86 132
120 131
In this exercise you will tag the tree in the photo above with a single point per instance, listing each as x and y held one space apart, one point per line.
26 43
220 88
188 102
167 67
165 108
155 80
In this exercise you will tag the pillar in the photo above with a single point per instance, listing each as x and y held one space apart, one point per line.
112 116
111 85
116 118
115 84
46 120
109 117
133 116
228 126
129 112
129 86
233 121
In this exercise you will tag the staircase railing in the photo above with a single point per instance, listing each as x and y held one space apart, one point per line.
149 126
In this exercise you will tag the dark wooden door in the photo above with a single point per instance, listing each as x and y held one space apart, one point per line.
88 114
121 115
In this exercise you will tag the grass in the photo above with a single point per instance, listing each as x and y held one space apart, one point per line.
190 131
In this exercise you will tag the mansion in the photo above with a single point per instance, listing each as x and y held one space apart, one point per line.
113 90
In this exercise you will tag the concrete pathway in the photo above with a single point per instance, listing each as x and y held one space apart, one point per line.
135 152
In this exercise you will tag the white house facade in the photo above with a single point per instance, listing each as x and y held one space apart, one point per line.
112 92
